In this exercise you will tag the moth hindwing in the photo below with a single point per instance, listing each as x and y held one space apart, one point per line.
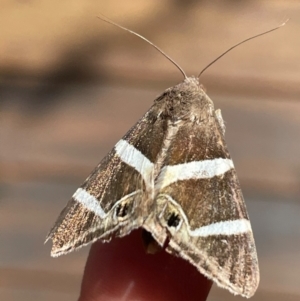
172 175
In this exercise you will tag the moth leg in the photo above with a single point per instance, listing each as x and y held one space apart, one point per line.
220 120
150 244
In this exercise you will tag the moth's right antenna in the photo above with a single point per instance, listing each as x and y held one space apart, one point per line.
107 20
253 37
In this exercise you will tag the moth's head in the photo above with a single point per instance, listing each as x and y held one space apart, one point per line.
190 101
185 101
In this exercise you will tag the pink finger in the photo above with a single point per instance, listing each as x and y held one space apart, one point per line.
121 270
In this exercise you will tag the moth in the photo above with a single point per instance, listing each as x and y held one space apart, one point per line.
173 176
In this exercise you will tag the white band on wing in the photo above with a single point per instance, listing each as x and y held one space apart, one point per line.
193 170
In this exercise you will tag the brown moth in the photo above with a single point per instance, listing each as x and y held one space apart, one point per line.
173 176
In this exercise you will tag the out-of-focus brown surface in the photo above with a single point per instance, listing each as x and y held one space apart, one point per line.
72 85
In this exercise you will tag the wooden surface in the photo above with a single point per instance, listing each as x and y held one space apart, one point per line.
71 86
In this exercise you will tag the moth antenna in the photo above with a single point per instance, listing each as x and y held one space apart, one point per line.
246 40
107 20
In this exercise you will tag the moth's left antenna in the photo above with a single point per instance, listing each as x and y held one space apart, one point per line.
107 20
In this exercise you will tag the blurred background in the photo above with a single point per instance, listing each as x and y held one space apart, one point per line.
71 85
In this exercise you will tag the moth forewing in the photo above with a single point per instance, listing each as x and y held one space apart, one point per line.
200 202
172 175
123 176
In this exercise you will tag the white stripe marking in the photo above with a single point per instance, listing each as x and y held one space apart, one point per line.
92 204
89 201
193 170
238 226
134 158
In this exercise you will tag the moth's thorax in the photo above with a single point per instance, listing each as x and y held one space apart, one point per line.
186 101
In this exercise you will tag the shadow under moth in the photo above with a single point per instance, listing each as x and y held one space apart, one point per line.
173 176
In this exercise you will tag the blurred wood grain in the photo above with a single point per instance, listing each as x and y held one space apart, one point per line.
70 87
